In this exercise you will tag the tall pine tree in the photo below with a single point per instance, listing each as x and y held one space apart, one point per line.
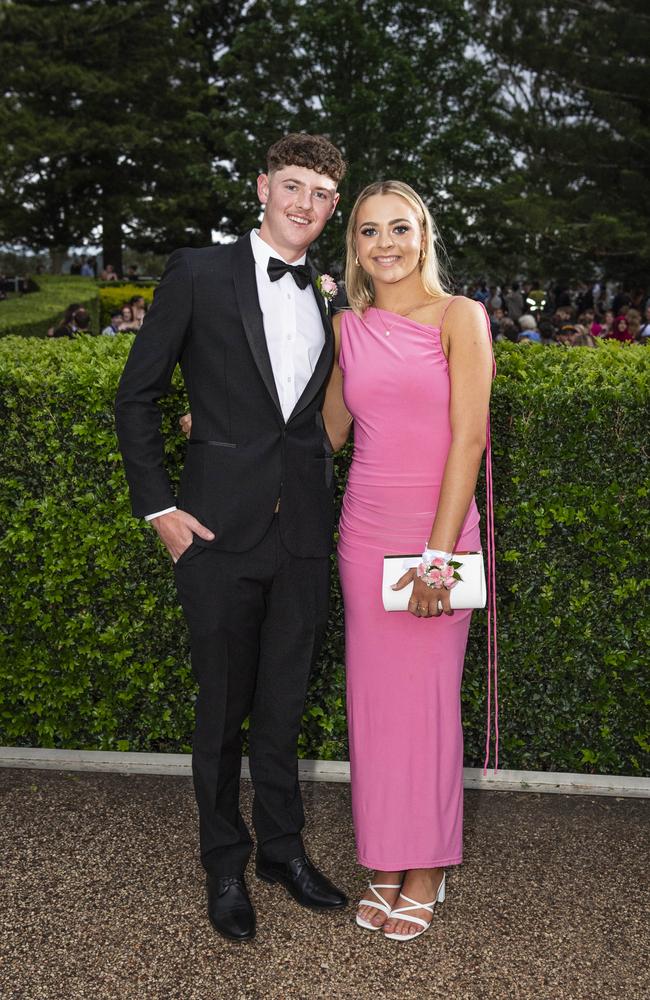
96 127
574 107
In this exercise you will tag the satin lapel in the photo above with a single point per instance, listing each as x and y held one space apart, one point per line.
251 313
326 356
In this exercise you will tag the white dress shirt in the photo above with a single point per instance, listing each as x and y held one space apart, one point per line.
292 324
293 328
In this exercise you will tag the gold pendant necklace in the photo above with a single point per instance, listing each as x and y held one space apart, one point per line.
389 329
387 332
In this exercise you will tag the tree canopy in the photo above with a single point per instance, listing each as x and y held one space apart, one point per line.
574 108
96 127
524 126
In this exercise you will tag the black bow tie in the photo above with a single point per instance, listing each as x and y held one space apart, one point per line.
300 272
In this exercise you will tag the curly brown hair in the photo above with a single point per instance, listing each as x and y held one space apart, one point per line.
303 150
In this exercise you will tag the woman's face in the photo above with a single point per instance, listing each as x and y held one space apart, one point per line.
388 238
127 314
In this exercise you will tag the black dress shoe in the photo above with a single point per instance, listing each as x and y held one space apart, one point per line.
230 910
302 879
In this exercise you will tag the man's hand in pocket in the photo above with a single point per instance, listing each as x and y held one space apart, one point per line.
176 531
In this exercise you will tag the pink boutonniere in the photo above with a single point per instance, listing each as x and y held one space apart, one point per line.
327 286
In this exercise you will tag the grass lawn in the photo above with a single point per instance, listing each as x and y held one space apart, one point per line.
30 315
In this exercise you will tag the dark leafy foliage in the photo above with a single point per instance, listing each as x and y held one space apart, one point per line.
94 651
97 126
572 81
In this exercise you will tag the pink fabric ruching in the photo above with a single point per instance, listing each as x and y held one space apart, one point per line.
403 674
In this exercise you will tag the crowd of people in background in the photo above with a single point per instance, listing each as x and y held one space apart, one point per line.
110 274
20 284
128 318
534 313
530 312
86 267
75 320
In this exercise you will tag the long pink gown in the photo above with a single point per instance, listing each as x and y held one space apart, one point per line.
403 673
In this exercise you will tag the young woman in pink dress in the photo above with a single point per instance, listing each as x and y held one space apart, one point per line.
413 371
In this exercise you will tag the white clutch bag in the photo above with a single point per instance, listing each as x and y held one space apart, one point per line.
469 592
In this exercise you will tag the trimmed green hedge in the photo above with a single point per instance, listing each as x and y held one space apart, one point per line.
94 651
31 315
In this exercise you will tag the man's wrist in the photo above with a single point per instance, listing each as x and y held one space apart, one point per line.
159 513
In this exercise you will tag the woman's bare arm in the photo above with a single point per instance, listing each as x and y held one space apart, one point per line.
336 417
467 345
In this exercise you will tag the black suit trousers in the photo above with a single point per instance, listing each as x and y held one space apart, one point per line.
256 621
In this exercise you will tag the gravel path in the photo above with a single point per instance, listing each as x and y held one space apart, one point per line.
102 898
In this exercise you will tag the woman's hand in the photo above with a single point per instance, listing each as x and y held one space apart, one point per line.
425 602
186 424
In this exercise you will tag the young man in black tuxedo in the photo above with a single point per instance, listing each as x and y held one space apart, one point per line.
251 532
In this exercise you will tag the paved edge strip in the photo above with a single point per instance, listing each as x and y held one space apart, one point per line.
322 770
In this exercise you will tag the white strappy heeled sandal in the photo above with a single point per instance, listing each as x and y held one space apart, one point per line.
398 914
381 904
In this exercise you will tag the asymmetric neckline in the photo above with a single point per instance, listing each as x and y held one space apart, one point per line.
407 319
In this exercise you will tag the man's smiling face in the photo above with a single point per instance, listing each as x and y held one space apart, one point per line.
298 202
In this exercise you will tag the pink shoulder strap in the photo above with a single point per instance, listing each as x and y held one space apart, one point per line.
449 304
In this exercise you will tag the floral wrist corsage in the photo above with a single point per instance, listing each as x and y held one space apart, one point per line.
327 286
439 573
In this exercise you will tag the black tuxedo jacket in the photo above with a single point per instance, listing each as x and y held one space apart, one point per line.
242 456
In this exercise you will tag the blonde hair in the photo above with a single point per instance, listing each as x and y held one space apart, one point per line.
358 285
